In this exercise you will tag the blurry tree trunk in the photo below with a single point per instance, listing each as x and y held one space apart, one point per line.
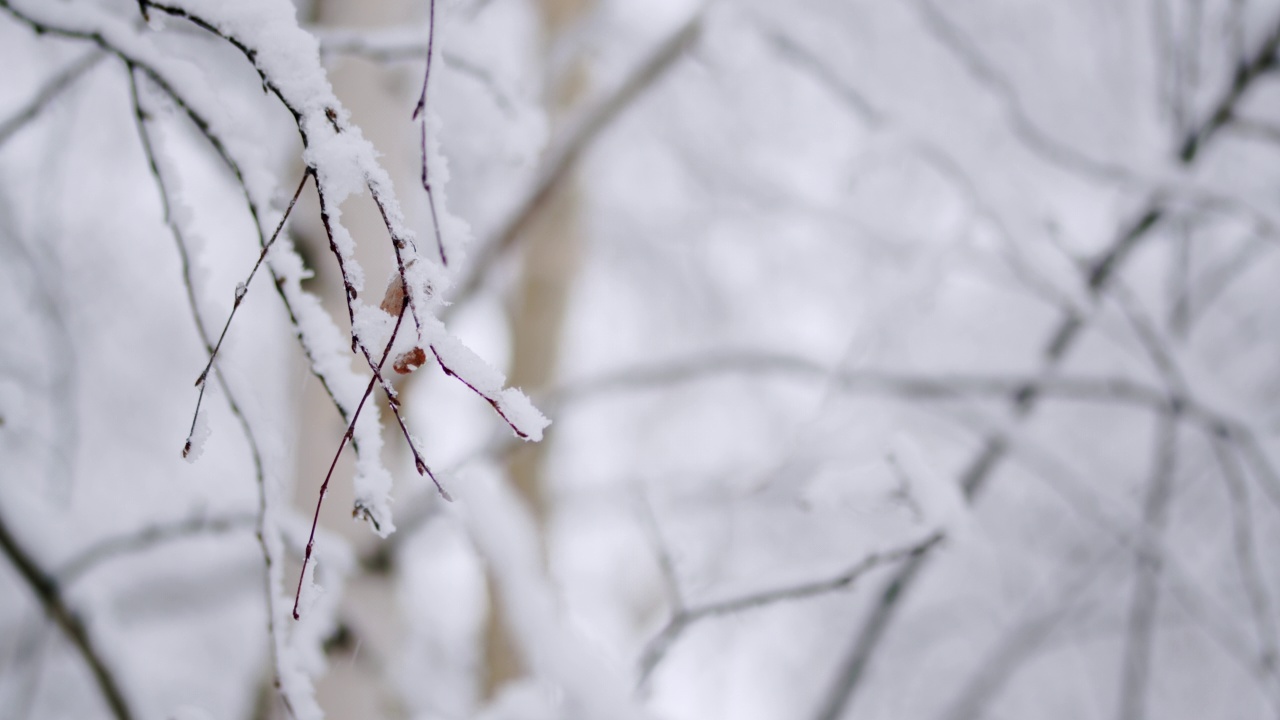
552 246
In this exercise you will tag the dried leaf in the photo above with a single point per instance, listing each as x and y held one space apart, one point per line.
394 299
410 360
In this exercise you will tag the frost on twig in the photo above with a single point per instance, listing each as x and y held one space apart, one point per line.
295 688
342 164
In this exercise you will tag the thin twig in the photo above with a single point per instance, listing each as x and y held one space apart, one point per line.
142 117
380 195
419 113
399 242
204 127
493 401
346 436
243 288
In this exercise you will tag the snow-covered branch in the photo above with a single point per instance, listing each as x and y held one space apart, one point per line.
49 594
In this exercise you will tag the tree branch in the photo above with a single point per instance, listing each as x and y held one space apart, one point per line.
682 618
142 117
49 595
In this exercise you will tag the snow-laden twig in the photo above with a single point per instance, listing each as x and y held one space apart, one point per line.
296 694
243 288
346 436
188 90
343 163
420 114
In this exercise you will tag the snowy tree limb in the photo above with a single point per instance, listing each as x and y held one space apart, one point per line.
292 695
49 595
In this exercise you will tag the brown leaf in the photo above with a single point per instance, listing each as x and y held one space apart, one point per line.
410 360
393 301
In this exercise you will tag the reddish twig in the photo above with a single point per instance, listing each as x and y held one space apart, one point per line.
324 486
241 290
375 189
346 437
497 407
419 113
357 345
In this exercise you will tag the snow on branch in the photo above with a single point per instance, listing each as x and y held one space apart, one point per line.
342 164
49 594
295 688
